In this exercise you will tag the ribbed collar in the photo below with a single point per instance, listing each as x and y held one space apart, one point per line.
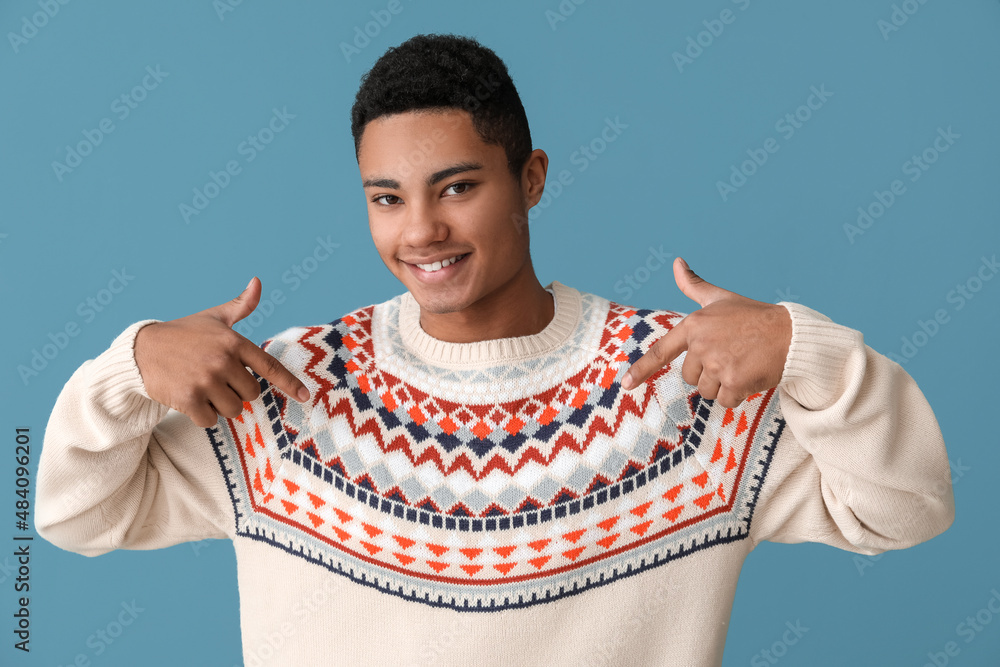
564 322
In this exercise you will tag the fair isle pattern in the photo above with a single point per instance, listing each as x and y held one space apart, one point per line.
561 482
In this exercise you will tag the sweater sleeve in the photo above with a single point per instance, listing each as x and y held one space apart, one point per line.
864 467
118 470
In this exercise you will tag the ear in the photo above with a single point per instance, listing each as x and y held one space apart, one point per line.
533 177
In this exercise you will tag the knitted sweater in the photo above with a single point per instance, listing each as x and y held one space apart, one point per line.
502 502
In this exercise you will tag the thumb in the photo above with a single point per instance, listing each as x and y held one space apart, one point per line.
233 311
694 286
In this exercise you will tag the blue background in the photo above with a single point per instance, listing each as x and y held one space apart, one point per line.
780 236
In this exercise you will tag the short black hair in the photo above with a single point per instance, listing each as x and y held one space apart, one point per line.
446 72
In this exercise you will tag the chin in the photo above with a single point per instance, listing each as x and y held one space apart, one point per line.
441 304
440 301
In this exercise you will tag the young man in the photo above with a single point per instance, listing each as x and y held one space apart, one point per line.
463 474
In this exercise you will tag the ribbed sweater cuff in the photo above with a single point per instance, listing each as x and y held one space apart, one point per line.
117 384
815 372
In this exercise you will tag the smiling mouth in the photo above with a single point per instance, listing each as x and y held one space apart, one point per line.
437 266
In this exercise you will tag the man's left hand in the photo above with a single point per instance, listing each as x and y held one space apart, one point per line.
735 346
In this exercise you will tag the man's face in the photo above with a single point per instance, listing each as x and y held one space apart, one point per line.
436 191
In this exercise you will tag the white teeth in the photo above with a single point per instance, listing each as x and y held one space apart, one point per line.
440 265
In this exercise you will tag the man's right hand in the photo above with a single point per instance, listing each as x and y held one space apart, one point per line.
197 364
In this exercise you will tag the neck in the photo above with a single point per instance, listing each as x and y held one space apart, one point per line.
491 351
522 309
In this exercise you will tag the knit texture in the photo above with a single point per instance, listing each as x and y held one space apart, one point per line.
427 481
514 477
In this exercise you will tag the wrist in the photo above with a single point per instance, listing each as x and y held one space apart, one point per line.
815 367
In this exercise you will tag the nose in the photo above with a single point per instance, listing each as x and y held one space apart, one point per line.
425 223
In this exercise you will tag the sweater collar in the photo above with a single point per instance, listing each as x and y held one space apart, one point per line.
495 350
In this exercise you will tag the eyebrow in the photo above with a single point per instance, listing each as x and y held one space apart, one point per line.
437 176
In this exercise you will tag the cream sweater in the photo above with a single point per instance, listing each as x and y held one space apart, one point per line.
502 502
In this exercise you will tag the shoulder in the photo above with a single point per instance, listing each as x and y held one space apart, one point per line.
331 342
632 327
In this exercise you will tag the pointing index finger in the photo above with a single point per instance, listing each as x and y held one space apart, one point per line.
273 371
661 353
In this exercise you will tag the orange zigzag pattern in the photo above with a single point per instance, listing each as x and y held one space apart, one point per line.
401 443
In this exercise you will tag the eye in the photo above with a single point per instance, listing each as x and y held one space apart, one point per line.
377 199
463 184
